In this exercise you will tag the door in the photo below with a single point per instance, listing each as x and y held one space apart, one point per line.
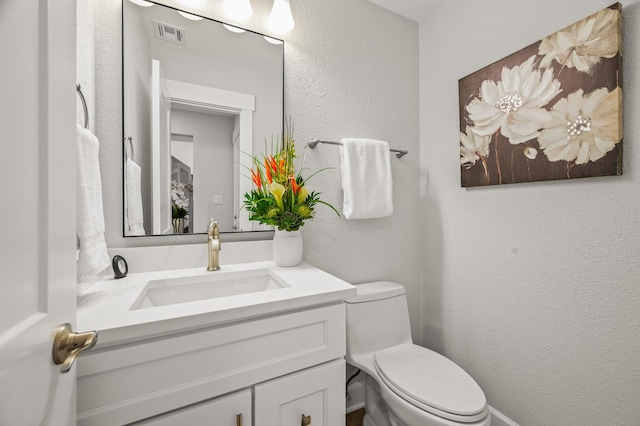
160 150
37 285
238 198
311 397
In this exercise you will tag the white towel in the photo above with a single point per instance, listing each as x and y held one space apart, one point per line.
366 178
134 219
93 257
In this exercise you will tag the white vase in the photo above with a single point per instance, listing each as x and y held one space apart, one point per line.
287 248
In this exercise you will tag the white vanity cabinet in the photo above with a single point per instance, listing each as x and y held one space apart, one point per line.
230 410
314 397
282 366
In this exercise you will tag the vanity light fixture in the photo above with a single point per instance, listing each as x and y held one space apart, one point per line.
142 3
280 19
234 29
239 10
190 16
272 40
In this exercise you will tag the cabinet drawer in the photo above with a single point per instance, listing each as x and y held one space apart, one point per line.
316 393
129 383
230 410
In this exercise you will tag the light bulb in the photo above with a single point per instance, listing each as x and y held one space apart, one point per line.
272 40
234 29
239 10
281 20
190 16
142 3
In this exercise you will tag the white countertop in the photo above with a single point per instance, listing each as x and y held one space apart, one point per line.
106 305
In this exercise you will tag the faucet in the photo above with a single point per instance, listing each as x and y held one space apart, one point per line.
213 246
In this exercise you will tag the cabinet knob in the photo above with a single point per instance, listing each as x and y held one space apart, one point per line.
306 420
239 419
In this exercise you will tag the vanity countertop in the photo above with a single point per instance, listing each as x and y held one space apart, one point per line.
107 305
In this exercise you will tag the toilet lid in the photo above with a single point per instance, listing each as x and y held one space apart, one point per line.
432 382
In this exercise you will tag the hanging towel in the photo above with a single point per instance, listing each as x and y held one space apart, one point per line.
134 217
366 178
93 257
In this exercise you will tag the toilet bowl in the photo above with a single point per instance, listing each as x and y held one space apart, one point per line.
407 385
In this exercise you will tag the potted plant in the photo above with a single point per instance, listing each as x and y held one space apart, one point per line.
280 198
179 206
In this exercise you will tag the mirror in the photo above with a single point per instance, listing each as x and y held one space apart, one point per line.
199 98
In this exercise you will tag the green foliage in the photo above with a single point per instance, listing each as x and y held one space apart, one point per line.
280 197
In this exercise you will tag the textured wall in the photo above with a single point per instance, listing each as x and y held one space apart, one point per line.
532 288
138 100
85 59
351 70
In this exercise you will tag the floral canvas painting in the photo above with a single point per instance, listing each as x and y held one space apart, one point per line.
552 110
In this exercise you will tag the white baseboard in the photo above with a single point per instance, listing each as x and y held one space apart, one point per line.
499 419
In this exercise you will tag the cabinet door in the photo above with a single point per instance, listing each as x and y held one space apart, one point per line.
230 410
314 397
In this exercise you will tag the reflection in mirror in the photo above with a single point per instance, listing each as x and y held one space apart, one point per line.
199 99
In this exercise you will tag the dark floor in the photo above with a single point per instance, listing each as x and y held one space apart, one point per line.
355 418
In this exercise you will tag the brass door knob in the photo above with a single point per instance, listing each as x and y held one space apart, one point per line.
306 420
67 345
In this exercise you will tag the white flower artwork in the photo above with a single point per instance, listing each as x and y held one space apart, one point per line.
583 127
584 43
549 111
514 105
473 147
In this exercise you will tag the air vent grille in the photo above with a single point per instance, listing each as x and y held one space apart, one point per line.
168 32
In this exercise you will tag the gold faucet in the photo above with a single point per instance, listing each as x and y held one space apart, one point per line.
213 246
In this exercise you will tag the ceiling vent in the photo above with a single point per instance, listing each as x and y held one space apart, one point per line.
168 32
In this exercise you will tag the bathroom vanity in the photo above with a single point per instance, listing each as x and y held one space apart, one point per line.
252 344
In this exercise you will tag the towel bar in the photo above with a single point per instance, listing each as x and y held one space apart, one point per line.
314 142
84 105
129 153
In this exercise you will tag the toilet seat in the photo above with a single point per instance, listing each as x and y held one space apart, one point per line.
431 382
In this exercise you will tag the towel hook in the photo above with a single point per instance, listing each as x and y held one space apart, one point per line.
84 105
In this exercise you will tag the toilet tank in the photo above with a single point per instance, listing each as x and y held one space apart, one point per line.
377 318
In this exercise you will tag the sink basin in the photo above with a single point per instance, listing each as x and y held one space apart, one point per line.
214 285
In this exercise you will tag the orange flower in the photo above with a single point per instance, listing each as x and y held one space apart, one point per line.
267 169
255 176
274 165
294 185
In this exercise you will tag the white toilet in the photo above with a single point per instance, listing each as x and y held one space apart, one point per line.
407 385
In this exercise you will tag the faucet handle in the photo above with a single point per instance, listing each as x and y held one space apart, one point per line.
213 247
212 230
214 234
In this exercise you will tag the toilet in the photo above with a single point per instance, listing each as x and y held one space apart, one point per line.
406 384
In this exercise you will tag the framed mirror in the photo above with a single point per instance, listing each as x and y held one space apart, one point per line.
199 98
